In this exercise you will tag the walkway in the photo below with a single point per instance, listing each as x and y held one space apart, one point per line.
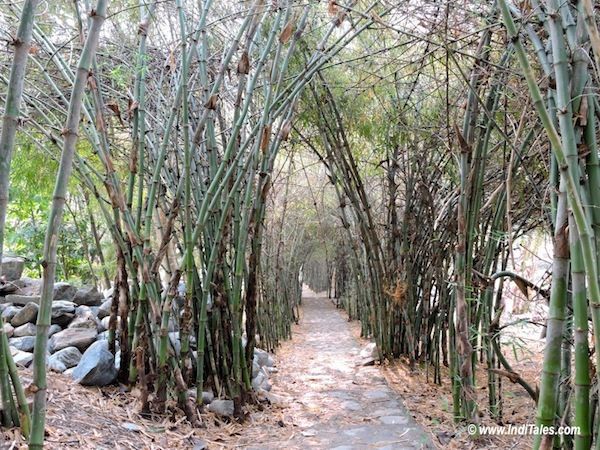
331 402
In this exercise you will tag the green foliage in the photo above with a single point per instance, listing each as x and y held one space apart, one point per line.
32 179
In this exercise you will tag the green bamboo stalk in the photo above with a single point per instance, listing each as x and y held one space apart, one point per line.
23 404
574 199
5 392
70 133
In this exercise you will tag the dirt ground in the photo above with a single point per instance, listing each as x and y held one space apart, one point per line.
314 396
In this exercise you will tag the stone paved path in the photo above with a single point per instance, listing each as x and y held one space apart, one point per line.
333 402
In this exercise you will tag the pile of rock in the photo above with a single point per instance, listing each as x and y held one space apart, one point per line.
77 336
263 365
77 342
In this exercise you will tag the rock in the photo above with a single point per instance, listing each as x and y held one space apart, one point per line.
89 296
63 312
53 330
261 381
271 398
28 286
27 314
368 362
10 312
7 287
175 342
102 336
104 309
22 300
255 368
64 359
86 322
263 358
25 330
81 338
207 397
199 444
21 358
97 366
12 268
131 426
24 343
221 407
83 311
8 330
85 318
64 291
370 351
104 323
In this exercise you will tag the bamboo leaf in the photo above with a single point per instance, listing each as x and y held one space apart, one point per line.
287 32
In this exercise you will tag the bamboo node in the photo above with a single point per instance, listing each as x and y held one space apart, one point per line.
32 389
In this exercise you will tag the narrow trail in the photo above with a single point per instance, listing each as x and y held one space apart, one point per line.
331 401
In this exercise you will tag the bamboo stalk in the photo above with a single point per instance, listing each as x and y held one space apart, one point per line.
70 133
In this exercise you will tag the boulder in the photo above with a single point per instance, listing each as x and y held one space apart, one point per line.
25 330
53 330
28 286
64 359
255 368
21 358
10 312
81 338
27 314
85 318
22 300
24 343
261 381
104 323
368 355
207 397
221 407
89 296
12 268
86 322
7 287
97 366
8 330
83 311
263 358
63 291
104 309
63 312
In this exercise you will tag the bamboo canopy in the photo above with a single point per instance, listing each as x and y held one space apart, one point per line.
217 156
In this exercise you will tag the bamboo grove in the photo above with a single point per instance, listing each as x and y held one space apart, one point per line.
425 148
